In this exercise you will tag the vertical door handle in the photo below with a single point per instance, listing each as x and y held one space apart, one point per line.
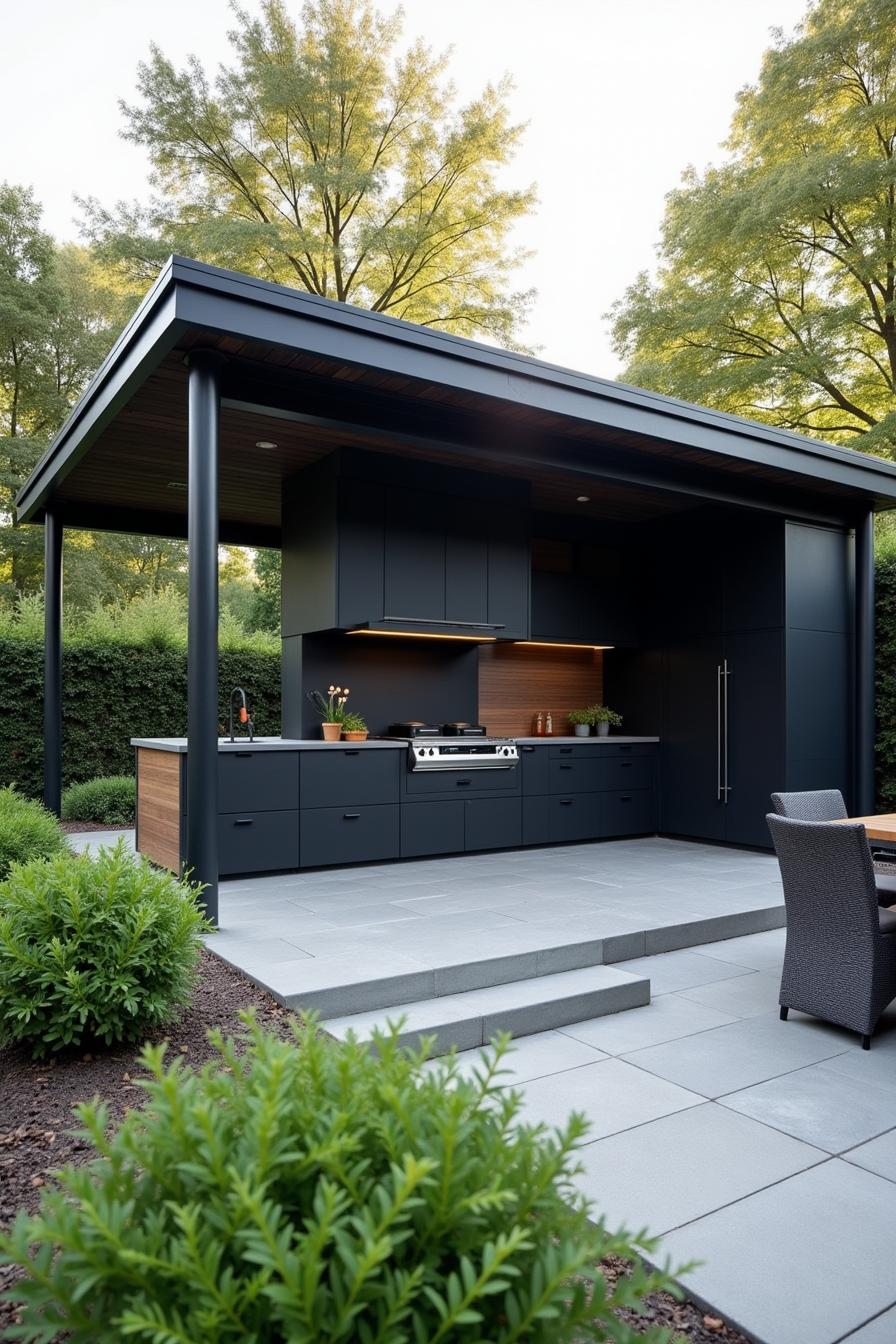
719 733
726 673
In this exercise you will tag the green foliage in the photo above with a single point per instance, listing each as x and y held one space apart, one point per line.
112 799
326 158
93 949
27 831
112 692
776 287
318 1193
354 723
602 714
885 667
579 716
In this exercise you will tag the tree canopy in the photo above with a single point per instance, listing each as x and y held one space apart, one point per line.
775 294
328 158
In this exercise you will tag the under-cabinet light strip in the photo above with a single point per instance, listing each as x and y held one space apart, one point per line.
559 644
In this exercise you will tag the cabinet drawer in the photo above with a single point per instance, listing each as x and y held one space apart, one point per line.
257 842
263 781
460 783
629 813
350 776
534 769
493 823
577 816
348 834
621 772
578 775
602 748
432 828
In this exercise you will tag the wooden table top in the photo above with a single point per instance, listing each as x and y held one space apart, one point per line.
882 827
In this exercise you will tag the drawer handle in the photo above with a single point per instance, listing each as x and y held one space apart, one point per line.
626 765
566 751
626 799
462 783
356 752
625 748
243 821
565 802
242 755
566 767
528 748
350 816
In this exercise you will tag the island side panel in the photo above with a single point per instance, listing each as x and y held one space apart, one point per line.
159 807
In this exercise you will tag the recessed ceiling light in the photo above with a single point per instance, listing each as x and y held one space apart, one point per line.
583 499
265 443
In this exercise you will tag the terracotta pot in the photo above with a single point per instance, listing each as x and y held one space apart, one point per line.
356 736
331 731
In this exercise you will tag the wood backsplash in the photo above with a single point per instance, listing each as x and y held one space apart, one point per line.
518 680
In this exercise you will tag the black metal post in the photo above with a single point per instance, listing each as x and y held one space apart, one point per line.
52 662
202 637
865 690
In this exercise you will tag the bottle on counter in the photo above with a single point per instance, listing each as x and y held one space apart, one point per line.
549 724
539 724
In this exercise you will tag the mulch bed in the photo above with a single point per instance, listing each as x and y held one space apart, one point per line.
77 827
37 1115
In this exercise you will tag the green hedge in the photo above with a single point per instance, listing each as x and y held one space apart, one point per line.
886 682
111 693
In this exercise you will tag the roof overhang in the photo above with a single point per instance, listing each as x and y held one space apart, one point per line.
325 373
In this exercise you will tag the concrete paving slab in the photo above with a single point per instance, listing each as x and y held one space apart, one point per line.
820 1106
613 1094
754 994
674 971
882 1330
879 1156
530 1057
756 951
666 1018
683 1166
740 1054
802 1262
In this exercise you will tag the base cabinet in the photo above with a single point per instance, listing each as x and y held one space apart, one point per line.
493 823
336 835
257 842
575 792
432 828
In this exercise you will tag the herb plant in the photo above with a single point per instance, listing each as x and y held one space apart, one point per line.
312 1192
93 949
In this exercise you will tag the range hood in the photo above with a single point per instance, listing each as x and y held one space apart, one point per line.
411 627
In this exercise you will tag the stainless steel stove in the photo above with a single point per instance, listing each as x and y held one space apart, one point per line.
431 748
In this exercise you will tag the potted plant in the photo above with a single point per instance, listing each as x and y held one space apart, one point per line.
603 719
354 728
331 709
581 721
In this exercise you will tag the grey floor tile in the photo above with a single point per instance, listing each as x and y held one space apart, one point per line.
742 1053
613 1094
672 971
666 1018
779 1265
879 1156
538 1056
820 1106
683 1166
254 951
750 995
756 951
882 1330
877 1065
377 912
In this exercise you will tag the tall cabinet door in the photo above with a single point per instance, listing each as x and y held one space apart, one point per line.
691 801
755 732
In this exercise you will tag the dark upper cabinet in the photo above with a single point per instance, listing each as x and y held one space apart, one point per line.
720 573
585 589
368 539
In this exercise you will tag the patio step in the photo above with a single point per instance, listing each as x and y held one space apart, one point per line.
523 1007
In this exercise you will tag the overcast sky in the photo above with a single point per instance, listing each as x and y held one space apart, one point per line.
620 95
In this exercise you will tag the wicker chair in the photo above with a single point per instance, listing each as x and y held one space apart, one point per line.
828 805
840 960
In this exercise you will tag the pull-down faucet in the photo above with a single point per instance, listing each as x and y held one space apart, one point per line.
244 713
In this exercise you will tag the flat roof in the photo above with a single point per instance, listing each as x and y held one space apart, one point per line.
310 374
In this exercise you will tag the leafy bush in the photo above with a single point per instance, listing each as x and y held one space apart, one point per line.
27 831
316 1193
93 948
109 798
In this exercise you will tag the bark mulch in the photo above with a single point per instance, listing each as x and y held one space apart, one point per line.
77 827
37 1115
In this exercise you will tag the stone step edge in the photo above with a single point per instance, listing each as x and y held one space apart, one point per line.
466 1028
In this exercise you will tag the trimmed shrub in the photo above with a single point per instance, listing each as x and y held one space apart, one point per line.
110 798
110 693
27 831
318 1193
93 949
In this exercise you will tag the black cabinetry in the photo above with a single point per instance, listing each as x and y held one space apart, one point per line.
588 791
258 818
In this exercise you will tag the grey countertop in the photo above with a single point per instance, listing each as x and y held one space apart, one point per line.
179 744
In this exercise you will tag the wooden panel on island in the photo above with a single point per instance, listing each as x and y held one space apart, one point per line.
158 807
518 680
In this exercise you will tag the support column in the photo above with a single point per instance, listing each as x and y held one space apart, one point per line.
52 662
202 638
865 689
